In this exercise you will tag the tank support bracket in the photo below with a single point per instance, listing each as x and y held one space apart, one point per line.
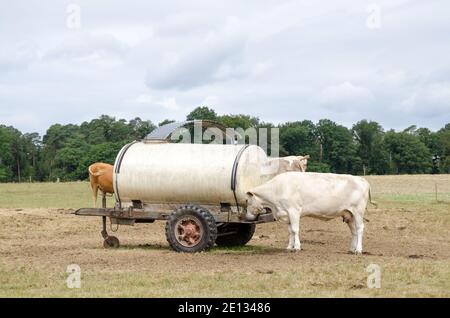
104 232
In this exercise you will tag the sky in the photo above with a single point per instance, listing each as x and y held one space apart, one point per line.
71 61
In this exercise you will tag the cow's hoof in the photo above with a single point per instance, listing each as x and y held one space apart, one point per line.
355 252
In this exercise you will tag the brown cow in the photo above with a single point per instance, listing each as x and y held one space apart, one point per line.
101 177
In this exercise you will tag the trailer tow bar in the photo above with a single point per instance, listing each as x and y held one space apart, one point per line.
109 241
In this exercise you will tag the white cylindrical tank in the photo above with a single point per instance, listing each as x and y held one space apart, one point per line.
159 173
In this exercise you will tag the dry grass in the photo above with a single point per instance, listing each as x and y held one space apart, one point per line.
407 236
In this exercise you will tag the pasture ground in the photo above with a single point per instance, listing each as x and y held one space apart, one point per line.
407 236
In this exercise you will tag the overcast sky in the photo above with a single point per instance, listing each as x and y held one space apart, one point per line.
71 61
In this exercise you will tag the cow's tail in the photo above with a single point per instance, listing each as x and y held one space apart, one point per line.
94 174
370 199
371 202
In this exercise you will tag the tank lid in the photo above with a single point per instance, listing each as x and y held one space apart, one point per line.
163 133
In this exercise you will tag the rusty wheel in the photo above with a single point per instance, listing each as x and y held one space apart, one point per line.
111 242
188 231
191 229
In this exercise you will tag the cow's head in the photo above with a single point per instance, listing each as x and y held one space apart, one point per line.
254 206
302 162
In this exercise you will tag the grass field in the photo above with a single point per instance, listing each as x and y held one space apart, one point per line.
407 236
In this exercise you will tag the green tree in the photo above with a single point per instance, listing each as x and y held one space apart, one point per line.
370 147
32 149
337 147
6 155
165 122
298 138
67 159
66 151
106 129
105 152
140 128
18 154
54 140
443 150
241 123
203 113
238 121
408 154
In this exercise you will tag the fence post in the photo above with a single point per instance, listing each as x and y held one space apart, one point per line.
436 191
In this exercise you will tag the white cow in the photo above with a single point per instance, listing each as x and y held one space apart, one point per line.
290 163
292 195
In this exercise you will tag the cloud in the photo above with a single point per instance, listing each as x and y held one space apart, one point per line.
278 60
210 101
215 57
17 57
177 23
143 99
345 93
393 78
431 100
126 35
87 47
18 120
169 103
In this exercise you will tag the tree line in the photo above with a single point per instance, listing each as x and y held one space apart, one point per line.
66 151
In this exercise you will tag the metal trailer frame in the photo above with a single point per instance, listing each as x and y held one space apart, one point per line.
222 214
158 212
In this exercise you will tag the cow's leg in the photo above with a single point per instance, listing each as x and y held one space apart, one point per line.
352 226
348 218
291 238
294 223
94 194
359 225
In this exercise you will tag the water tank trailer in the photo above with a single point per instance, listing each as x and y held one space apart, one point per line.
198 189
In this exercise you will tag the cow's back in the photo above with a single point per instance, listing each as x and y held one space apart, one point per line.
318 193
102 176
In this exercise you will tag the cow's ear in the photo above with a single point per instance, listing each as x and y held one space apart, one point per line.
306 157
